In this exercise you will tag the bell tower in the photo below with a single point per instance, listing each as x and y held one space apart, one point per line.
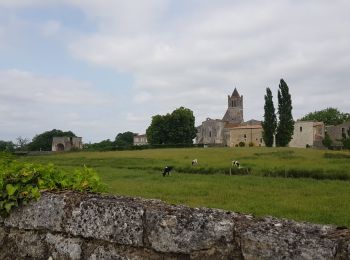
234 112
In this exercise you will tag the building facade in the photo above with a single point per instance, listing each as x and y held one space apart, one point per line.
65 143
140 139
307 134
336 133
249 135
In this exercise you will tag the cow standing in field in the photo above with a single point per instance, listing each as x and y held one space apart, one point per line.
235 163
194 162
167 170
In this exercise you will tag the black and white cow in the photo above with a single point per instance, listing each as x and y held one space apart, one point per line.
194 162
167 170
235 163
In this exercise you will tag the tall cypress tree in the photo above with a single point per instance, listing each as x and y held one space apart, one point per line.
270 122
286 123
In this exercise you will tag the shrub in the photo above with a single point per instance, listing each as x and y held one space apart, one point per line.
21 182
251 144
241 144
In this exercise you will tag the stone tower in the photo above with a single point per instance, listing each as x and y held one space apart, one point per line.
234 112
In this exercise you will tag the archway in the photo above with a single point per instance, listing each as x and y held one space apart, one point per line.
59 147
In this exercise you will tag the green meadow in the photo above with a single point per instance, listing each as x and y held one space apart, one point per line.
300 184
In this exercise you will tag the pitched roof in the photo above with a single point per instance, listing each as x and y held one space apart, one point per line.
235 93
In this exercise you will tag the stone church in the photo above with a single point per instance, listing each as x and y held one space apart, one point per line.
217 131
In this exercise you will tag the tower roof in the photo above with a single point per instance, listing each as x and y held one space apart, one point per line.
235 93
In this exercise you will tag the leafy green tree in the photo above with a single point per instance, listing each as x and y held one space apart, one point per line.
270 121
175 128
329 116
44 141
285 125
327 141
104 145
182 129
346 140
7 146
124 139
157 132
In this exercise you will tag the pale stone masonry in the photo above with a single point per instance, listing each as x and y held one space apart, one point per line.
336 133
71 225
140 139
248 134
65 143
307 134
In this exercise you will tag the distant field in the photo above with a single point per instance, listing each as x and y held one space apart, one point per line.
322 197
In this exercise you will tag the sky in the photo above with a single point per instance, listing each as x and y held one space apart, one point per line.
103 67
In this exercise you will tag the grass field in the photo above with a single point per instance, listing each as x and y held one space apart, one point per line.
322 197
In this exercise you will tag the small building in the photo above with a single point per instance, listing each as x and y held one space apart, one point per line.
66 143
247 134
307 134
140 139
336 133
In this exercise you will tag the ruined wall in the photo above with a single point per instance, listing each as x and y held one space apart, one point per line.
71 225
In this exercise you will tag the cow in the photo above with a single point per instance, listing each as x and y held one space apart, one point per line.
235 163
194 162
167 170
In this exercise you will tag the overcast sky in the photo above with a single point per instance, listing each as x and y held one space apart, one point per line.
100 67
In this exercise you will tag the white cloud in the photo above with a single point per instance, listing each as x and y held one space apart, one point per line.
192 53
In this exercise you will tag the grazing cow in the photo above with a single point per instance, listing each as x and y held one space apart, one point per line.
235 163
167 170
194 162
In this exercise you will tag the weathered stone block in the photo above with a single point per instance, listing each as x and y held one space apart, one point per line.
63 248
107 219
47 213
183 230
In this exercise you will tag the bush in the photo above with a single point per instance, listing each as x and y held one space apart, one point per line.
241 144
21 182
251 144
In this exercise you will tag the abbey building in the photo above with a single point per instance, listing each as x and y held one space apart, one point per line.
231 129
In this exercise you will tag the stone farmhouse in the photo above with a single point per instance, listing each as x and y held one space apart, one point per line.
65 143
307 134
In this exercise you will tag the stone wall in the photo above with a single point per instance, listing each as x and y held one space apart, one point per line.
71 225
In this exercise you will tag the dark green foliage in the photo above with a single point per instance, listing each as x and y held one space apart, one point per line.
270 122
21 182
43 142
175 128
329 116
124 139
327 141
241 144
105 145
286 124
346 140
7 146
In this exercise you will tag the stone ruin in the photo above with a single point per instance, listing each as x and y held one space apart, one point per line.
66 143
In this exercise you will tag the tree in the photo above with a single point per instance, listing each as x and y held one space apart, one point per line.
181 128
329 116
346 140
7 146
44 141
175 128
285 126
124 139
327 141
22 143
270 122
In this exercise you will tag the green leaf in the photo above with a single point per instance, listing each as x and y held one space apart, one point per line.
11 189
